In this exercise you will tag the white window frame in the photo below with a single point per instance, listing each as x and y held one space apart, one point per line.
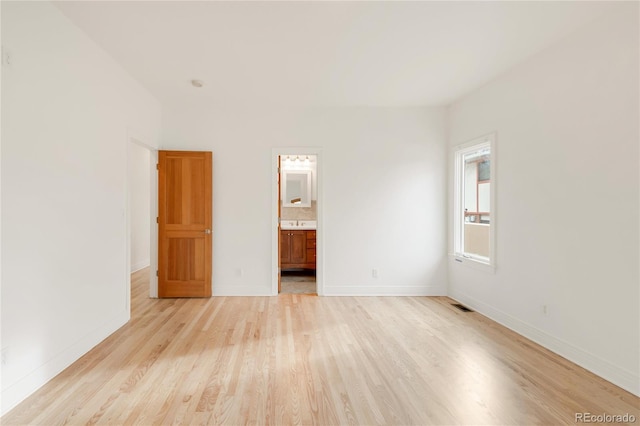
458 202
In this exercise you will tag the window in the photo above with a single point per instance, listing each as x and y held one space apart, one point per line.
474 219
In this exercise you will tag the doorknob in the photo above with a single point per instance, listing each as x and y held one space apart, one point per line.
207 231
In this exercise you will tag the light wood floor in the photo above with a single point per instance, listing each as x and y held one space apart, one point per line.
297 359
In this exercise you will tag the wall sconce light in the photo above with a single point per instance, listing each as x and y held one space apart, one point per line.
295 162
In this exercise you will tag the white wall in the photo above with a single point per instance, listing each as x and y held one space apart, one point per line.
567 131
66 111
139 205
384 185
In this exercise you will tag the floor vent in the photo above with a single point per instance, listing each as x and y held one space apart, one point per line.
462 307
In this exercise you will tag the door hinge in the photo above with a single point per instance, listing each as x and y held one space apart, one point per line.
157 166
157 219
157 273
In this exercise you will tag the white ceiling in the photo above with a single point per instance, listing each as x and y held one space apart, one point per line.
323 53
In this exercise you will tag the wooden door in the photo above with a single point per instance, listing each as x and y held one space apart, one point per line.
184 224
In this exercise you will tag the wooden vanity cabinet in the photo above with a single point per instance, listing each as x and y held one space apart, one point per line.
297 249
311 249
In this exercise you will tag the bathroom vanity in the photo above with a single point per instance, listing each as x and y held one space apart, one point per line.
297 249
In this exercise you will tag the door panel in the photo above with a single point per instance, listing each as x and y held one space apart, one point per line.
298 246
285 250
173 188
186 258
184 222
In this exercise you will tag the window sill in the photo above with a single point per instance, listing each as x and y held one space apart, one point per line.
473 263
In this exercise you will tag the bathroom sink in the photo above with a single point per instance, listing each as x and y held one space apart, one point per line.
298 224
307 224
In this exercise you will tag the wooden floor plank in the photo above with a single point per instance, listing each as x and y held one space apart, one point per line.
303 359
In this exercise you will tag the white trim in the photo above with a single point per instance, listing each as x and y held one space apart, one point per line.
127 225
367 290
275 152
243 290
470 262
153 232
610 372
20 390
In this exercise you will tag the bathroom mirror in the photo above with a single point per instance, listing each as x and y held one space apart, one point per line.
296 188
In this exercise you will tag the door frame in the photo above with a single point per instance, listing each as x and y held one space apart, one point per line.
134 137
275 252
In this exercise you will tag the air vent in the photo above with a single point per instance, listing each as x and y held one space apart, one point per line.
462 307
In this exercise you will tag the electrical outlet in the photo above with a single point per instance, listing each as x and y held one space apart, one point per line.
545 311
6 57
374 273
239 272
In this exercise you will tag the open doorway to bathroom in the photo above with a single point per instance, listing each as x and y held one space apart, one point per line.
298 219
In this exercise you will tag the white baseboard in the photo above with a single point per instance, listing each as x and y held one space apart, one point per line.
139 265
610 372
242 290
20 390
335 290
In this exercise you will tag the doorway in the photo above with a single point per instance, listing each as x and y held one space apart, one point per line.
139 206
142 200
297 214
